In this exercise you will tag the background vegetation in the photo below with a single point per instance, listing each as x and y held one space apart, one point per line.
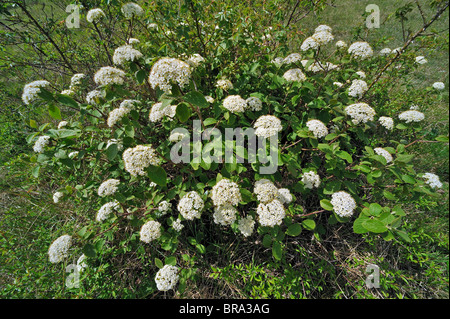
35 44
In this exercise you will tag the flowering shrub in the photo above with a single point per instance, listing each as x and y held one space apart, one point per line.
338 159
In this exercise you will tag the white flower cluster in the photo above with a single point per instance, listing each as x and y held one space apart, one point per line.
384 153
157 113
294 75
176 137
343 204
108 75
361 74
41 143
167 278
131 9
94 96
271 214
267 126
177 225
106 210
195 60
387 122
292 58
318 128
341 44
224 84
164 207
432 180
321 36
439 85
59 249
361 50
254 103
270 209
150 231
421 59
108 187
411 116
284 196
73 154
126 53
235 103
385 51
95 15
318 66
225 193
311 179
168 71
246 226
191 205
62 124
31 90
138 158
225 215
116 115
57 196
76 81
265 191
357 88
360 112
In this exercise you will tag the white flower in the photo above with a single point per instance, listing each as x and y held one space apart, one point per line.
176 137
319 66
116 115
385 51
387 122
126 53
338 84
224 84
284 196
131 10
265 190
225 215
318 128
292 58
294 75
167 278
191 205
254 103
133 41
94 97
271 214
114 141
195 60
57 196
234 103
226 192
209 99
157 113
361 50
95 15
62 124
164 207
129 104
311 179
68 92
341 44
150 231
246 225
177 225
267 125
421 60
76 81
411 116
358 88
108 187
309 43
31 90
40 144
360 113
384 153
361 74
109 75
59 249
168 71
104 211
323 27
432 180
137 159
152 26
323 37
73 154
278 61
343 204
439 85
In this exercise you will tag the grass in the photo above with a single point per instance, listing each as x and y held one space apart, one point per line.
334 267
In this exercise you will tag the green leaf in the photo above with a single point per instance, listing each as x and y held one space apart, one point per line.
111 151
66 100
209 121
33 124
89 250
157 175
35 171
389 195
442 138
54 111
309 224
267 241
140 76
183 112
403 235
326 204
172 260
375 209
344 155
358 227
46 95
276 250
197 99
159 263
374 226
294 230
408 179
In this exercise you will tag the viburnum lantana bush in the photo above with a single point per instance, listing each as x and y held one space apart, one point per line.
146 142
